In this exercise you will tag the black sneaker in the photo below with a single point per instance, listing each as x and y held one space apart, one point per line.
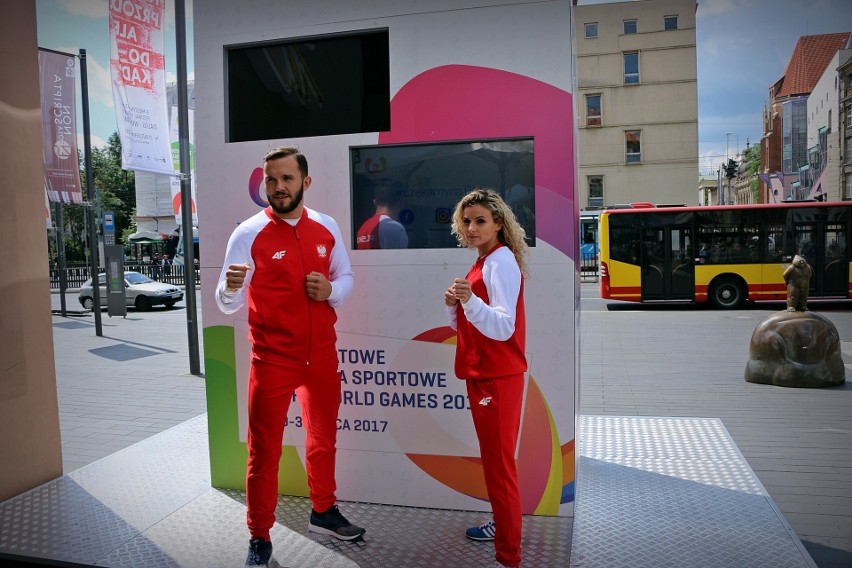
259 552
333 523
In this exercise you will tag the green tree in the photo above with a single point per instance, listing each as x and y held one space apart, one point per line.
752 161
115 190
117 187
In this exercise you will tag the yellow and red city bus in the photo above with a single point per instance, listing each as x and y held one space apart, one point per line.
724 255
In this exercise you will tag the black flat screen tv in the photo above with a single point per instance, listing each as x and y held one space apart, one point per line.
427 180
304 87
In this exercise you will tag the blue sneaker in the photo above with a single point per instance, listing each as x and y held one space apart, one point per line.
259 552
482 532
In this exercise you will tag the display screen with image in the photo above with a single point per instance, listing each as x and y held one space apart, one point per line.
316 86
412 189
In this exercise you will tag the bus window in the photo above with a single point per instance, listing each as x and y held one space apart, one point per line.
806 242
775 246
589 242
624 238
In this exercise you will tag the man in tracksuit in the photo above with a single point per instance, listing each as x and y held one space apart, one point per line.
289 265
382 230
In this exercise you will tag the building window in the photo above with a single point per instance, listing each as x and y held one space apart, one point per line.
593 110
794 127
596 200
591 30
670 22
633 147
631 67
630 26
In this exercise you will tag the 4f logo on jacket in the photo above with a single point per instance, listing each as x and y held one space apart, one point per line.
279 255
485 400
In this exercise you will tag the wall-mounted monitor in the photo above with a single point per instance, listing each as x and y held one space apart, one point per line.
303 87
424 182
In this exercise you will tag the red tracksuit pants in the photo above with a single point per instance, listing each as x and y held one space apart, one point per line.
496 408
270 391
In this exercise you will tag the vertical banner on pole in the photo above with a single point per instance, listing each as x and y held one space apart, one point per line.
47 215
57 72
175 185
137 67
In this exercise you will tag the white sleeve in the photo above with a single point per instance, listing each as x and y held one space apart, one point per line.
340 270
502 277
237 252
452 316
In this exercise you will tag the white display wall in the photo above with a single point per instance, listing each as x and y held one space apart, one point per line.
459 70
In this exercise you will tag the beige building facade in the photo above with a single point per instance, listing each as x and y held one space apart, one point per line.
30 440
637 100
844 154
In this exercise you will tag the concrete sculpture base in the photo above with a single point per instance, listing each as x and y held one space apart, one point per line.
795 349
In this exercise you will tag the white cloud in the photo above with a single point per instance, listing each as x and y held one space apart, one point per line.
88 8
100 82
100 9
717 7
707 165
96 141
172 77
170 13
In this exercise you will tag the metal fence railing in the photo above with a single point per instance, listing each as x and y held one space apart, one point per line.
77 275
588 266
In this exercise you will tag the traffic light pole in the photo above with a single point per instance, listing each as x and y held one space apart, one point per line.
90 196
186 193
730 172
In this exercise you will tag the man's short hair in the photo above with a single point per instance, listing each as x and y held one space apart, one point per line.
388 194
283 152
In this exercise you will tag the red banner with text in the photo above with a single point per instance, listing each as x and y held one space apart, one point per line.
137 68
57 75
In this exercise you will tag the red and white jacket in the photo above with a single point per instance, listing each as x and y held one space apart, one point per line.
285 326
492 324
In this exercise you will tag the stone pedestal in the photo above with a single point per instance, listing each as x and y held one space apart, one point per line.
795 349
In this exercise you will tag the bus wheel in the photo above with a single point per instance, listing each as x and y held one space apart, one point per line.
727 293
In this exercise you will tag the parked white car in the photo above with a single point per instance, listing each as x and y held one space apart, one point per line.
140 291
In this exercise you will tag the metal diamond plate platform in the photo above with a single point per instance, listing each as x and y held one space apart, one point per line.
151 505
652 492
673 492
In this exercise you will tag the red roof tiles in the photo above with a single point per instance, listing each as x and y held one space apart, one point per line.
809 60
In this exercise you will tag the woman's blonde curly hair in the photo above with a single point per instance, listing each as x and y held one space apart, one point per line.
511 235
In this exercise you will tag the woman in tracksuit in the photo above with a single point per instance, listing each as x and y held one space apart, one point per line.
487 309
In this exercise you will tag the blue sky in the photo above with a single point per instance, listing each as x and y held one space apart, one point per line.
71 25
743 48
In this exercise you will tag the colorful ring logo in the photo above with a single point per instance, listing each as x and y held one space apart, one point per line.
177 202
255 188
372 167
545 467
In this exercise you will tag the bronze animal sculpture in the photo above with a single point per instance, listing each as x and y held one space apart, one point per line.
797 276
796 348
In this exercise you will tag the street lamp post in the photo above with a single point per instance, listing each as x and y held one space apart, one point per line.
727 141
